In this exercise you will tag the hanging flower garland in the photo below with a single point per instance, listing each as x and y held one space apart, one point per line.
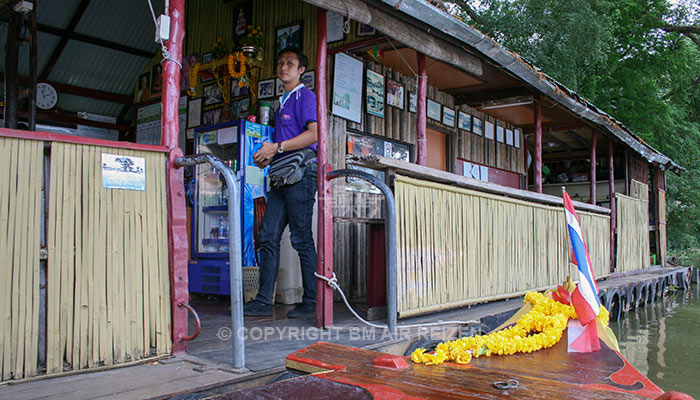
194 70
236 59
542 327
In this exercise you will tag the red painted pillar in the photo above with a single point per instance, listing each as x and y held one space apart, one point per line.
422 120
611 178
324 294
525 187
177 230
538 145
594 191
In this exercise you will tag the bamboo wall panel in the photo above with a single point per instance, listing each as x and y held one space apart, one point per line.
108 297
458 246
632 233
20 220
639 190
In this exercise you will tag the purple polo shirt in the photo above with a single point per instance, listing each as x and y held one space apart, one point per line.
292 117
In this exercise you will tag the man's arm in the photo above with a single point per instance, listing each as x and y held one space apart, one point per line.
263 157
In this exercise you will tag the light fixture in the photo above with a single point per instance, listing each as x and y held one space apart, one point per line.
23 7
509 102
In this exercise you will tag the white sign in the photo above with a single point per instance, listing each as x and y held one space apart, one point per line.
123 172
347 88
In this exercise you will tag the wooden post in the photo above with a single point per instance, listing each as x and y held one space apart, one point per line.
538 144
660 214
524 139
627 172
422 117
594 188
324 293
11 59
177 225
32 68
611 178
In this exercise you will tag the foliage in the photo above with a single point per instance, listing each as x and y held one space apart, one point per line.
621 55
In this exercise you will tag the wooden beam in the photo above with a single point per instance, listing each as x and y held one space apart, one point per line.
530 128
52 30
79 90
594 141
56 54
578 137
538 144
11 66
419 38
421 119
32 67
73 119
476 99
611 178
549 136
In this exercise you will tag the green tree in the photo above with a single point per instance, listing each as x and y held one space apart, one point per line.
638 60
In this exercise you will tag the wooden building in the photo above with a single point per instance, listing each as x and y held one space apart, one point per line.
474 140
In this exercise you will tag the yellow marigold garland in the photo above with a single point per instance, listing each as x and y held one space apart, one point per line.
194 70
238 58
542 327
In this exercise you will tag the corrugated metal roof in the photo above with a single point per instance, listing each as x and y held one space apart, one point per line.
127 22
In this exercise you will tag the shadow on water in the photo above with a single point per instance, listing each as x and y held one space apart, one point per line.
662 340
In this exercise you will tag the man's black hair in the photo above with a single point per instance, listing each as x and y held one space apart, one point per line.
303 59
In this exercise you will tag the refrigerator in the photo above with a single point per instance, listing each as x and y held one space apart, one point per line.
235 143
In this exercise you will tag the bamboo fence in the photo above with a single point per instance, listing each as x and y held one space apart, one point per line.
632 232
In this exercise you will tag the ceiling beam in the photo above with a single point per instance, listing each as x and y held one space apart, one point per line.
64 38
52 30
549 137
74 119
578 138
530 128
80 91
476 99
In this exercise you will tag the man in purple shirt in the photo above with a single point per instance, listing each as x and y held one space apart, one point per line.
295 129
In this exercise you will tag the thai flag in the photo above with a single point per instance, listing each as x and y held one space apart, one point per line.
585 297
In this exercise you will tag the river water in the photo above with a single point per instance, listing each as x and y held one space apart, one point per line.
662 340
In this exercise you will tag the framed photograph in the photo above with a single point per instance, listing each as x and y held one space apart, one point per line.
365 30
243 17
489 130
500 134
375 94
394 93
212 95
448 117
240 108
239 90
289 36
194 113
477 126
434 110
144 88
207 57
266 89
187 62
213 116
279 87
516 138
509 137
412 102
464 122
309 79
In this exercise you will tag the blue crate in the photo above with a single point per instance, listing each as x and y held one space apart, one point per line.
209 276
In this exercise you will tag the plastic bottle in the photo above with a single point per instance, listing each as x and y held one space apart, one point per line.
265 113
223 227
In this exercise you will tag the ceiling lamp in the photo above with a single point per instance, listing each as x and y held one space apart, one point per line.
509 102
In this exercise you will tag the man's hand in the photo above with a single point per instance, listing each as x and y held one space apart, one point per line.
263 157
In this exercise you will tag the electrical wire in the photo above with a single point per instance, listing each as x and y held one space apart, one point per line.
164 50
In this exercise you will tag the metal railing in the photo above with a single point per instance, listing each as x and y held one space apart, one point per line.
235 252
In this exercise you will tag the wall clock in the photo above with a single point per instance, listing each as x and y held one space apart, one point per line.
46 96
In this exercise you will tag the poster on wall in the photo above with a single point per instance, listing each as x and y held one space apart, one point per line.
434 109
499 134
334 25
123 172
464 121
509 137
489 130
347 88
477 126
516 138
375 94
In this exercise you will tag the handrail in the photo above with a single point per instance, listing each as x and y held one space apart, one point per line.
197 322
234 246
390 208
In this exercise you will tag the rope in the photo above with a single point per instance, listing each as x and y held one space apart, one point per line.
333 283
164 50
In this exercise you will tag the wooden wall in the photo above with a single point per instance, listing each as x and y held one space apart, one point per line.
458 246
20 226
108 298
632 219
638 168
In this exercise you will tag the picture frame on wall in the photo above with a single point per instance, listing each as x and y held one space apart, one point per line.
412 102
144 88
500 134
213 116
477 126
365 30
279 87
212 95
464 121
348 82
448 117
395 93
308 78
194 113
434 110
156 79
238 90
240 108
291 35
509 137
207 57
266 89
489 130
334 26
375 93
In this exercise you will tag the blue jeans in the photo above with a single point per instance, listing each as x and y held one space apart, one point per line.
293 205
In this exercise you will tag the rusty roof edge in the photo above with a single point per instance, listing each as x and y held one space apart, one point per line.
522 69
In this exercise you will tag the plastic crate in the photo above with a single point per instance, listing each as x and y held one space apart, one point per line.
212 277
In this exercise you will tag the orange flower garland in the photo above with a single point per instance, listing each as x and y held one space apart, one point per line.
233 59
